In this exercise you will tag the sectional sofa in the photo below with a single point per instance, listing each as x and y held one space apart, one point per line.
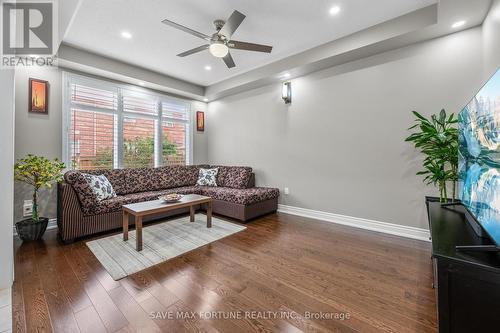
80 214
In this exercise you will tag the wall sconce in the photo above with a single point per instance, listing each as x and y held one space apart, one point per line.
286 93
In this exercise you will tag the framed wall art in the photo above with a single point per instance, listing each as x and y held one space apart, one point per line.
38 96
200 121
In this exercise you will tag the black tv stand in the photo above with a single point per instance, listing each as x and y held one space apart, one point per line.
468 216
451 204
466 271
478 248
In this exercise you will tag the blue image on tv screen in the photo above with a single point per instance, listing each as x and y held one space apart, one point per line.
479 157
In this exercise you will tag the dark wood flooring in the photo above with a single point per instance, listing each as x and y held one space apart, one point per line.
282 274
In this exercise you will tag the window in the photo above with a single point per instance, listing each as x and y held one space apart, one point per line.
174 127
109 125
138 142
93 118
174 143
92 139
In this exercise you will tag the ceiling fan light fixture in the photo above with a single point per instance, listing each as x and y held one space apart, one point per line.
218 49
219 43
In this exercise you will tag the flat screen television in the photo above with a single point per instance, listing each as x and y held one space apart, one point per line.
479 157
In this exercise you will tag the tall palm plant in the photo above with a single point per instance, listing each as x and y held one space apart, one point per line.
437 139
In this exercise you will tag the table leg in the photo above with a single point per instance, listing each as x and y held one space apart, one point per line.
191 213
125 226
138 233
209 214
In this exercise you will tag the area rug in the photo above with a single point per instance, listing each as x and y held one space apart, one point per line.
161 242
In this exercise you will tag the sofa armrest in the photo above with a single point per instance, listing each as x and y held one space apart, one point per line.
69 214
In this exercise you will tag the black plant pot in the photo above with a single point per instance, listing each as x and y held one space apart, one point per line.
28 230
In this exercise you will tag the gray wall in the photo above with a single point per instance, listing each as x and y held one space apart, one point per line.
7 175
37 134
491 38
200 143
340 146
42 134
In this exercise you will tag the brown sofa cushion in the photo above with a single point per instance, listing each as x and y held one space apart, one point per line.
83 190
116 177
233 176
245 196
152 179
184 175
115 204
142 180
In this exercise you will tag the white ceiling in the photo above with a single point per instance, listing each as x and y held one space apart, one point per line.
290 26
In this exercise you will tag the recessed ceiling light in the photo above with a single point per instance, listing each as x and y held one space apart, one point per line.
205 99
334 10
286 75
126 35
458 24
142 83
208 68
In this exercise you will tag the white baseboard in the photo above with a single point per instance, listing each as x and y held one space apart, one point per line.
52 225
372 225
388 228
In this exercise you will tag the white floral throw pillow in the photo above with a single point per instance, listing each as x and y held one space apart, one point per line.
101 186
207 177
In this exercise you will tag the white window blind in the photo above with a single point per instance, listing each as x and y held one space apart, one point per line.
140 103
85 95
93 120
175 126
175 110
110 125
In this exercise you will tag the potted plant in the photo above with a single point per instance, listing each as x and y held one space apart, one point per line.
437 139
38 172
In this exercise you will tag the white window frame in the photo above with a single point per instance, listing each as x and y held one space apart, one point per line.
69 78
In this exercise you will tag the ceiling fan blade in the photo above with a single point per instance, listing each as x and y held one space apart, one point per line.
234 44
192 51
186 29
228 60
232 23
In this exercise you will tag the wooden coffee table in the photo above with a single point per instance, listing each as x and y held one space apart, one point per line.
141 209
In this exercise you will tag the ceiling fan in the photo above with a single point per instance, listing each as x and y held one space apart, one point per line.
220 42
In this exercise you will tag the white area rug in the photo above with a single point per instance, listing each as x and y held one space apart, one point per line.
161 242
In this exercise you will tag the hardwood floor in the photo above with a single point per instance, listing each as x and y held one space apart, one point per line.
282 274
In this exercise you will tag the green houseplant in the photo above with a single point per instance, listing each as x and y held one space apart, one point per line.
38 172
136 152
437 140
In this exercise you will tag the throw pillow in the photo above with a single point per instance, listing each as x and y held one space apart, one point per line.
207 177
101 186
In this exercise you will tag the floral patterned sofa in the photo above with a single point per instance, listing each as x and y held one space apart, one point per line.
80 214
